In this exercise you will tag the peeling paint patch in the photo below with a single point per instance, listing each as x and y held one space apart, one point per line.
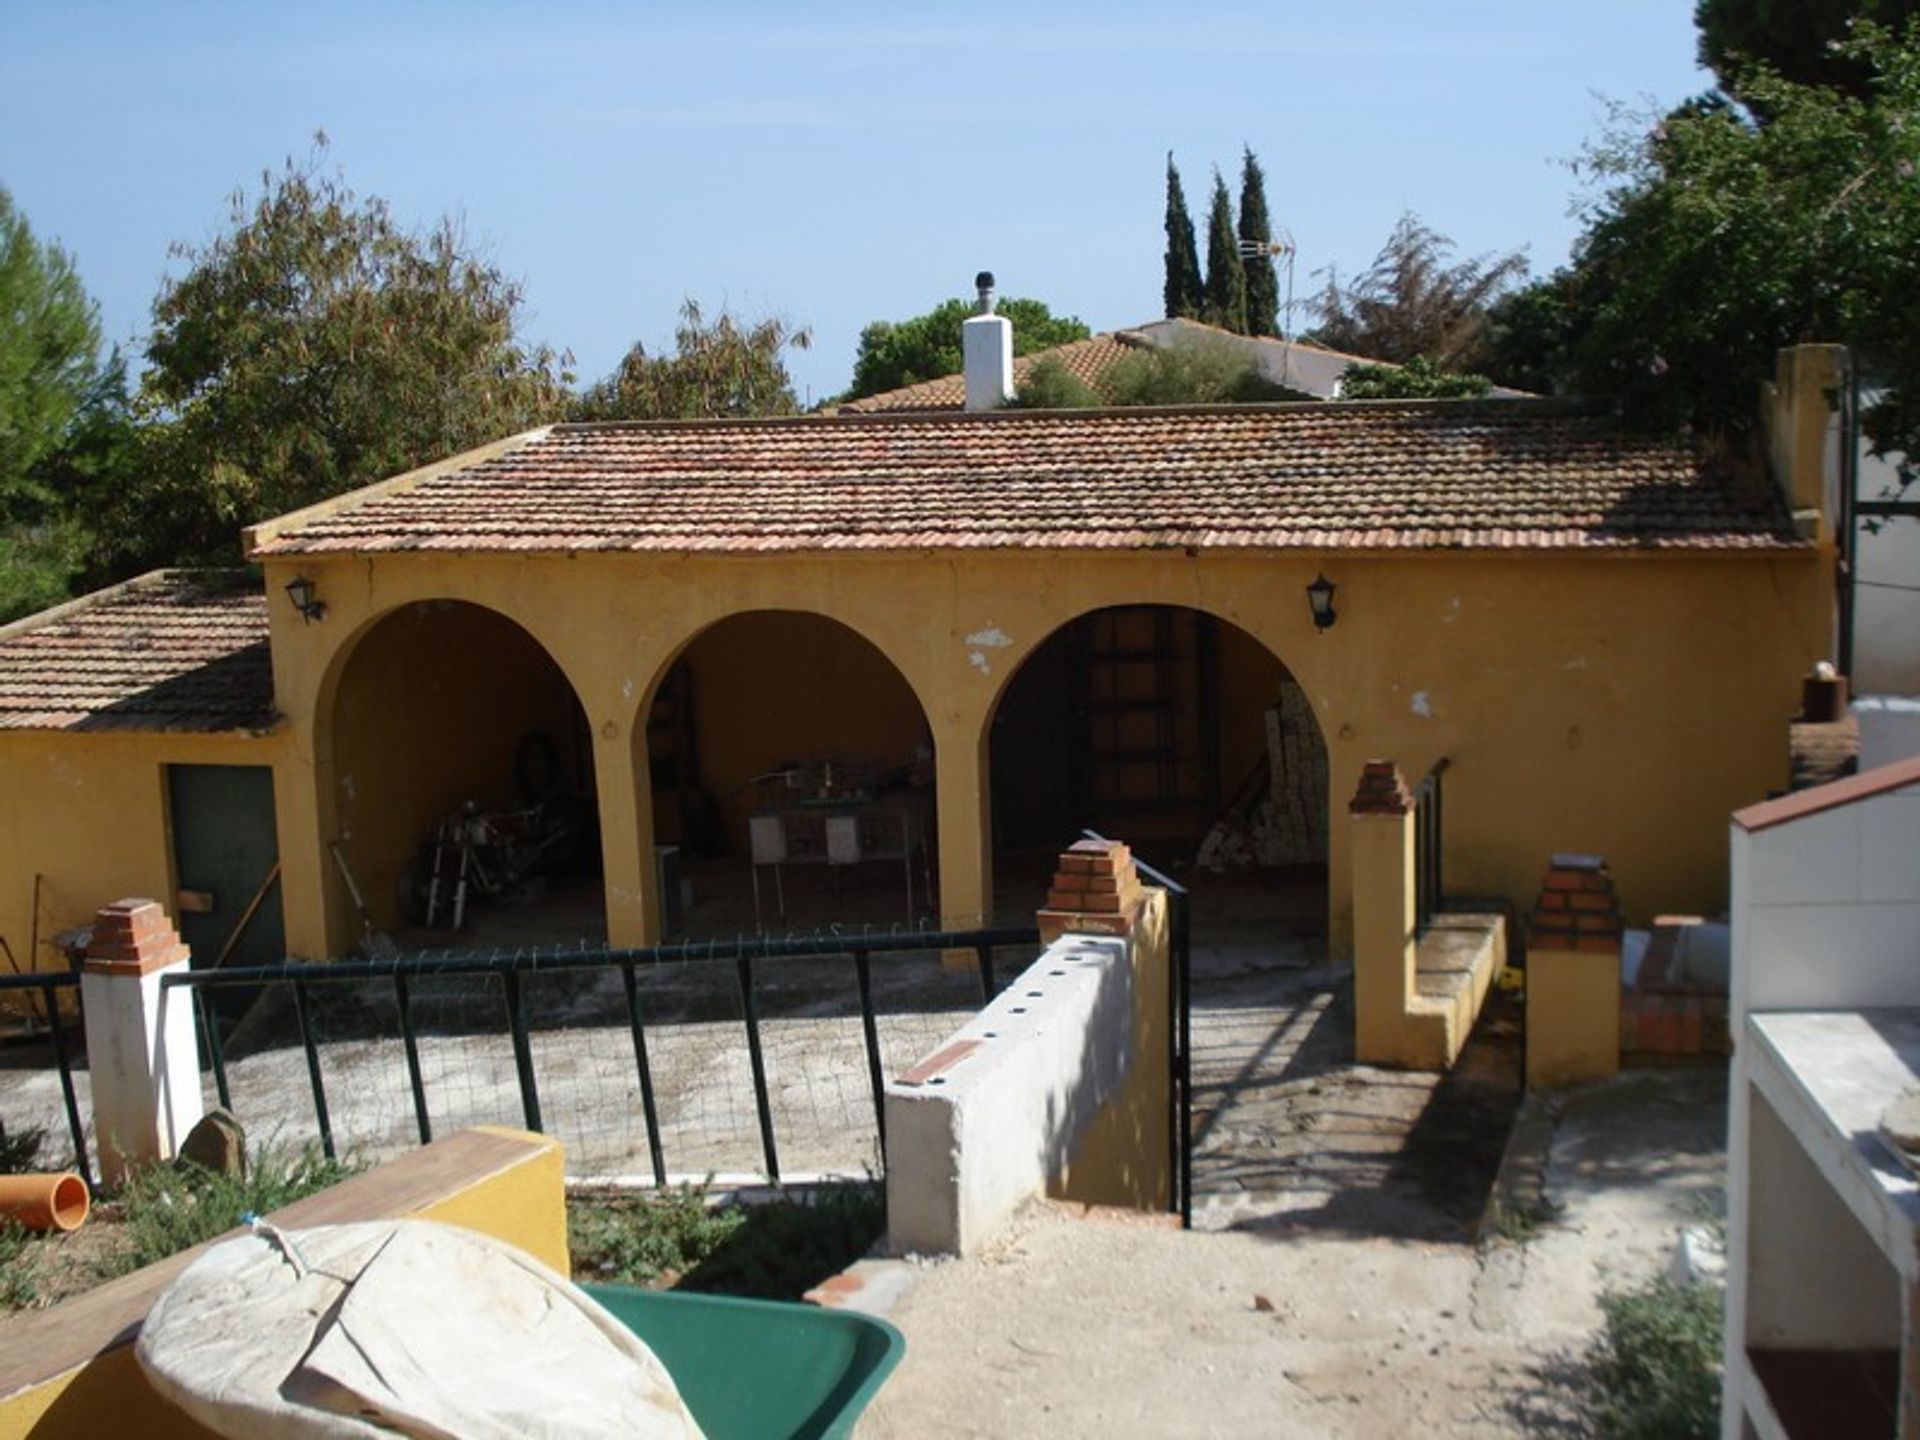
992 638
1422 705
346 787
1453 611
626 688
979 662
1578 662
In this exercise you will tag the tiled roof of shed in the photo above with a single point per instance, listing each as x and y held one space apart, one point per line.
1086 360
174 650
1425 475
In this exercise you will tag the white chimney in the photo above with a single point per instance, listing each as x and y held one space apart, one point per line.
986 349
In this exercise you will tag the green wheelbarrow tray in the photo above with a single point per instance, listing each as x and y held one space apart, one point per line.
761 1369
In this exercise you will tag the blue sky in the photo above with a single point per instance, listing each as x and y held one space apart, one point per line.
834 163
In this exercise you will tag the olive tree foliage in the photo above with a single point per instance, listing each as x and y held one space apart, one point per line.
1415 301
317 345
1733 227
720 369
894 354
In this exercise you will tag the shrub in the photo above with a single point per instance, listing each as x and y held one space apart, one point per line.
1418 379
1655 1370
171 1207
1051 386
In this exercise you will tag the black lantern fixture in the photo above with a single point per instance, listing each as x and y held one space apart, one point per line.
300 591
1320 601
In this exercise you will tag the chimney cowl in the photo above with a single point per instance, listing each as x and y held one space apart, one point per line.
983 286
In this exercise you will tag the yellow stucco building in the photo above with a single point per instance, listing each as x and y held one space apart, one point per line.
1031 620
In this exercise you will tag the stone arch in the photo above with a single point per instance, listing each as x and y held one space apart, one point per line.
760 709
1150 721
429 705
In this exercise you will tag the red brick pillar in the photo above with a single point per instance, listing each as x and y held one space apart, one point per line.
1573 974
142 1044
1096 890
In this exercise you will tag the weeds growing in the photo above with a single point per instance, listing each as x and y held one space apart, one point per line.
1654 1373
777 1250
169 1208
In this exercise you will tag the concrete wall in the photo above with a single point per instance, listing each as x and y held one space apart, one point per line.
1048 1090
69 1373
1619 703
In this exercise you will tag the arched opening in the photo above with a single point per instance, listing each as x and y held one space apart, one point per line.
791 769
1183 735
460 749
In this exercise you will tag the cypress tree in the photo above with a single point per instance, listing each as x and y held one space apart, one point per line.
1183 294
1256 230
1226 293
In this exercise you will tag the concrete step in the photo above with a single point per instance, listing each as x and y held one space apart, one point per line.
1455 965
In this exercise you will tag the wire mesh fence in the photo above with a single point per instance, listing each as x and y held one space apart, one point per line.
645 1064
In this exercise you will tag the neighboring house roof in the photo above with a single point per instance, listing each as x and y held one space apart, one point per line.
177 650
1086 360
1392 475
1311 370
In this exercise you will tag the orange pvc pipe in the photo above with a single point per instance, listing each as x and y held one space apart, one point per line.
45 1202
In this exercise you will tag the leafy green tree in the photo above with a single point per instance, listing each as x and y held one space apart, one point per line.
1525 341
1801 41
1415 301
317 346
1418 379
1722 236
727 369
1183 292
1226 294
896 354
1256 241
55 396
49 354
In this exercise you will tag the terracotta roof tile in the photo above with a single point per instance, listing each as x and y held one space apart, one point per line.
1086 360
1426 475
174 650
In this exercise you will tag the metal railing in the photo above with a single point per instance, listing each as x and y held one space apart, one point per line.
306 980
49 983
1429 881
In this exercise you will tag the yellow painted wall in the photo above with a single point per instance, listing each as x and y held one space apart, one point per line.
1619 704
433 704
87 811
1123 1157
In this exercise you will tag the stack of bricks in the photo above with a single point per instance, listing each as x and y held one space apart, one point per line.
1664 1013
1096 890
1577 909
133 937
1381 791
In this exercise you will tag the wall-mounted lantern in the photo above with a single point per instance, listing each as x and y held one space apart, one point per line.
1320 601
300 591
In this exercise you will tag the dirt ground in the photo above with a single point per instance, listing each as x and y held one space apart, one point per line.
1078 1326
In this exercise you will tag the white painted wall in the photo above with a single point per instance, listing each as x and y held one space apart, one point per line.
970 1145
1886 610
143 1055
1827 909
986 358
1889 728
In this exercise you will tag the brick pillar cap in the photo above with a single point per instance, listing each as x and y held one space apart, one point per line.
1382 791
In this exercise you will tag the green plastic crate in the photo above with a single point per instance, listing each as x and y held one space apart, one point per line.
761 1369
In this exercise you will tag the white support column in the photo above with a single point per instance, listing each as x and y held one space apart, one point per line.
142 1043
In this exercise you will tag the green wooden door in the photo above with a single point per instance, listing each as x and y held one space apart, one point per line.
224 849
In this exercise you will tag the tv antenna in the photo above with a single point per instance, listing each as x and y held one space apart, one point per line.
1279 250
